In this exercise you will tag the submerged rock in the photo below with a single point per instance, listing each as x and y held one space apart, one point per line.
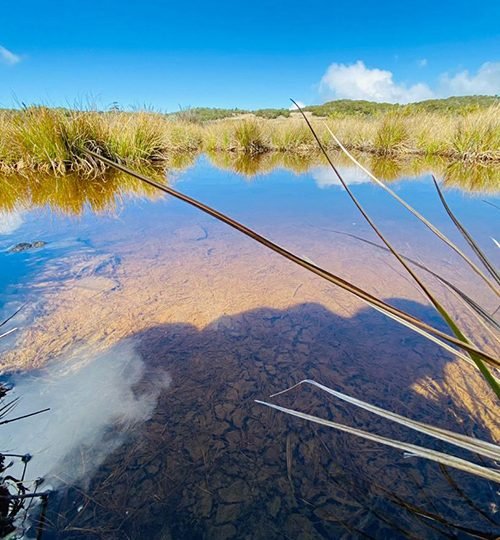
24 246
237 492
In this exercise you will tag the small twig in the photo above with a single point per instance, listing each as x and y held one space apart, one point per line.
24 416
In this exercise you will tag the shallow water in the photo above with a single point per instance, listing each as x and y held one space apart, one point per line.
150 329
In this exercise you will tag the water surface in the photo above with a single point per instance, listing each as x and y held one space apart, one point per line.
150 329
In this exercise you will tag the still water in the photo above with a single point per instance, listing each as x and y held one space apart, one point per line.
149 329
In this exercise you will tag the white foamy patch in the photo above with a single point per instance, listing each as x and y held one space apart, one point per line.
326 177
86 402
10 222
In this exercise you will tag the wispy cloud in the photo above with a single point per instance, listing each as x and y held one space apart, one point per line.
357 81
8 57
485 81
422 62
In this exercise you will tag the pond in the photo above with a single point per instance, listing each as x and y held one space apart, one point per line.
150 329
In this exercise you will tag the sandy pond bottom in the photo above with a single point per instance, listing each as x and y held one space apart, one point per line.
150 329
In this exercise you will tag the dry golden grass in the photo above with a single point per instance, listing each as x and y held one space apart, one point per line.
39 138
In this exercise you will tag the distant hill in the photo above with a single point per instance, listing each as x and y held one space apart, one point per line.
203 114
366 108
347 107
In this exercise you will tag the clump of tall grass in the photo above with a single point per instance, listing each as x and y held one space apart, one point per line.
36 137
249 137
477 136
44 139
358 133
392 136
290 136
182 137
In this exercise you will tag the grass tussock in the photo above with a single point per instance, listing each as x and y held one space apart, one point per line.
392 136
53 140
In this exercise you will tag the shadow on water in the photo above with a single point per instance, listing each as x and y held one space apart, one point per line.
211 463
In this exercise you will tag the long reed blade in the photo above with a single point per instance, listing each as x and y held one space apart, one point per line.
468 238
417 214
441 338
414 450
468 301
484 448
488 376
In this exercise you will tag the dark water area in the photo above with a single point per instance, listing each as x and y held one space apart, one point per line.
150 330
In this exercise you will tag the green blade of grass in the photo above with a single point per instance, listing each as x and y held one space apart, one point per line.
468 238
414 450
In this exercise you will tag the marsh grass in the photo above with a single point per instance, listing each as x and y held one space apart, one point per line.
477 135
45 139
249 137
52 140
392 136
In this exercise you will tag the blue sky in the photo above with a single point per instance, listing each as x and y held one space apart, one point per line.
248 55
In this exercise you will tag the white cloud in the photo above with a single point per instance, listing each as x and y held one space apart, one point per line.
94 403
8 57
356 81
326 177
10 222
485 81
293 107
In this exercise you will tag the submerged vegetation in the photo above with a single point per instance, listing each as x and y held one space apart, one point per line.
53 140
